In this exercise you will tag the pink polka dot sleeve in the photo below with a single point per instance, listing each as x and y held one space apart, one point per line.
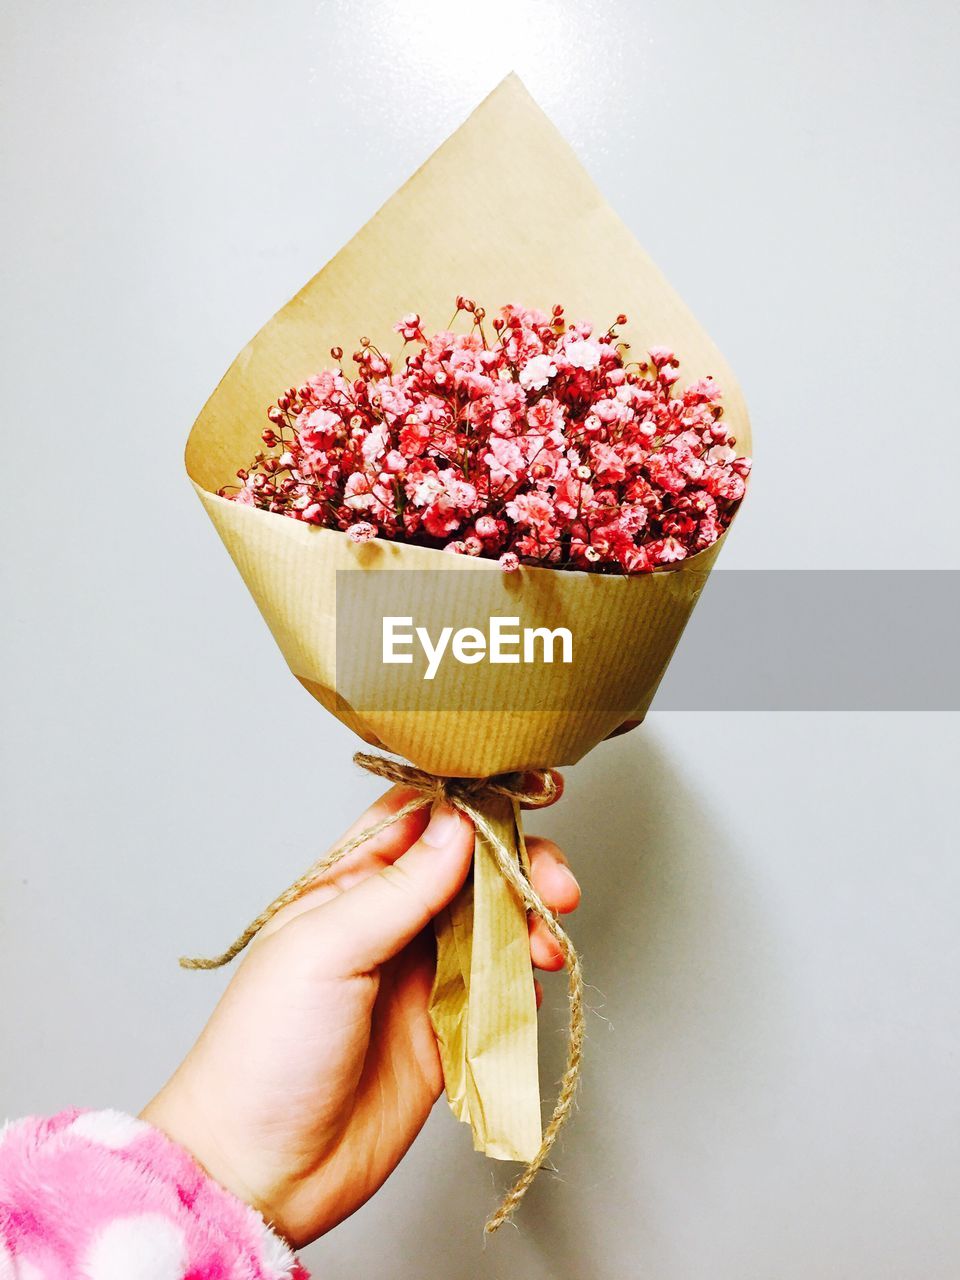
100 1195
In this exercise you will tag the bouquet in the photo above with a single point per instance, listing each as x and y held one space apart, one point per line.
482 555
540 447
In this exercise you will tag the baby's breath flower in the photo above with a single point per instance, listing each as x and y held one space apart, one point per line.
362 531
541 446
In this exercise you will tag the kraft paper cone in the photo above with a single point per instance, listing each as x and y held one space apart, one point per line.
502 212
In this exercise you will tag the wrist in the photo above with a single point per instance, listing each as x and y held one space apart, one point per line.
173 1114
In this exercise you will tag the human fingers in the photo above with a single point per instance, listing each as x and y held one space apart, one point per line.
557 886
378 851
373 920
549 790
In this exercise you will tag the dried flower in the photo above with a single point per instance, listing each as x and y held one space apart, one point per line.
545 447
362 531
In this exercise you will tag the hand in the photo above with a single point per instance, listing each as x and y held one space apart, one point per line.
319 1066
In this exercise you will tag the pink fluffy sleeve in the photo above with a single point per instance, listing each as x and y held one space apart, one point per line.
100 1195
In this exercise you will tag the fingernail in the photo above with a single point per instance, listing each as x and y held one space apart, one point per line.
570 876
443 825
544 784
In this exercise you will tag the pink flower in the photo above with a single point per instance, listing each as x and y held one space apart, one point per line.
375 443
357 493
608 465
531 510
508 562
394 461
362 531
441 519
723 483
689 464
664 472
704 390
414 437
707 534
408 327
394 398
505 460
582 355
633 517
678 526
317 432
537 372
572 497
611 541
636 560
451 508
721 453
667 551
698 503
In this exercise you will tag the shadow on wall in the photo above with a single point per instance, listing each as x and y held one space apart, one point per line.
680 969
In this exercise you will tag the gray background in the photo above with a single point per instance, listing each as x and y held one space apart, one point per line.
769 923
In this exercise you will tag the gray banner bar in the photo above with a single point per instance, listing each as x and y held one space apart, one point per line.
819 640
758 640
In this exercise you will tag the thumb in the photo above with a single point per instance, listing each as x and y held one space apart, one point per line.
376 919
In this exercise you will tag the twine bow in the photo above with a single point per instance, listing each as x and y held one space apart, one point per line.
464 794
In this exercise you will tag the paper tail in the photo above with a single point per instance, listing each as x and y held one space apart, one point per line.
483 1005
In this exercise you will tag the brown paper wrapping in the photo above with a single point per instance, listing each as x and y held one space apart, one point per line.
503 211
483 998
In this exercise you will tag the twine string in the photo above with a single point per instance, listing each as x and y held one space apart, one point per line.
467 795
